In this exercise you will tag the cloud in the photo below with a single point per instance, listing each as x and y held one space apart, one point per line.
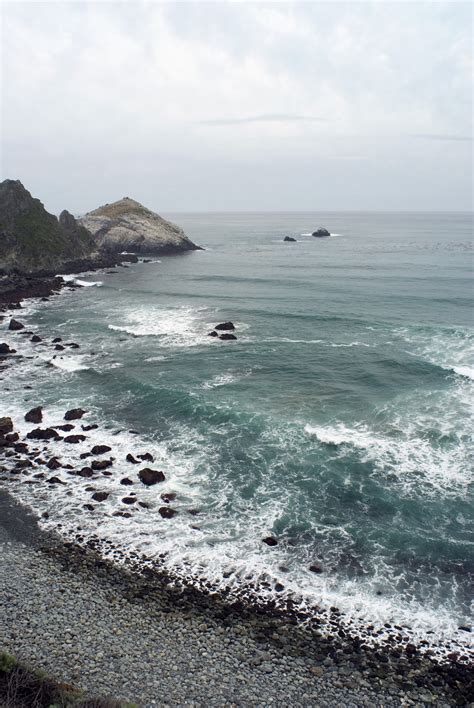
455 138
275 118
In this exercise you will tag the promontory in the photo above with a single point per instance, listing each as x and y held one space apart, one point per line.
127 225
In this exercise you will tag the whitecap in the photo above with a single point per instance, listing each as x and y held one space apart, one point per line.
69 363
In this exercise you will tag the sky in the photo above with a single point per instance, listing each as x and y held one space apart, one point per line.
200 106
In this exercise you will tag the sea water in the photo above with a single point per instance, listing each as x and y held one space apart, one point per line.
339 422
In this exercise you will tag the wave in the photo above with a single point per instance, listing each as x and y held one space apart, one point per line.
69 363
466 371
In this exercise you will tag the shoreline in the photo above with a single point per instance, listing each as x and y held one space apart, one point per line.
163 582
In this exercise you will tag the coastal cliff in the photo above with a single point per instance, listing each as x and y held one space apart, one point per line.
35 242
126 225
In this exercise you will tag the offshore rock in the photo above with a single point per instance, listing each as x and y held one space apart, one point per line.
321 233
126 225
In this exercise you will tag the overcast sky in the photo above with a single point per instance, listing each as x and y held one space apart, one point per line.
239 106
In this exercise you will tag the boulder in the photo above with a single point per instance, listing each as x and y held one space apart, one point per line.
225 326
130 458
270 541
5 349
100 449
146 457
289 239
74 439
213 334
35 415
166 512
126 481
101 464
59 347
315 568
53 463
57 339
129 500
15 325
36 338
93 426
100 496
74 414
149 477
227 336
321 233
66 428
55 480
168 497
43 434
85 472
6 426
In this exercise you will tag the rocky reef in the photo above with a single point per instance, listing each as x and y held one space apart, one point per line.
127 225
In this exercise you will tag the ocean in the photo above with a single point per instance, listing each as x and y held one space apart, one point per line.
339 422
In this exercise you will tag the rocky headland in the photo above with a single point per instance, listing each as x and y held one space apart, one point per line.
127 225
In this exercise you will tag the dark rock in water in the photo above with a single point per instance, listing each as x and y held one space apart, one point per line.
43 434
289 239
85 472
21 448
464 628
129 500
213 334
101 464
15 325
74 439
6 426
100 496
169 497
88 507
55 480
23 464
35 415
130 458
279 587
270 541
11 438
57 339
5 349
144 505
321 233
225 326
59 347
150 477
73 345
100 449
227 336
123 514
94 426
66 428
315 569
194 512
53 463
146 457
74 414
126 481
166 512
84 455
36 338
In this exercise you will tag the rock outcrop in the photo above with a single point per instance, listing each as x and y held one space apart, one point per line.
127 225
321 233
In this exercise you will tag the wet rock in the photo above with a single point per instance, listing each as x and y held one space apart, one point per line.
11 438
130 458
315 568
146 457
74 439
166 512
66 428
53 463
85 472
123 514
289 239
86 428
100 496
225 326
23 464
129 500
101 464
168 497
321 233
194 512
57 339
100 449
6 425
144 505
270 541
21 448
5 349
213 334
14 325
59 347
88 507
126 481
74 414
227 337
35 415
36 338
55 480
43 434
150 477
73 345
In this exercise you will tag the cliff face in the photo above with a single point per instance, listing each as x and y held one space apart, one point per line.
34 241
127 225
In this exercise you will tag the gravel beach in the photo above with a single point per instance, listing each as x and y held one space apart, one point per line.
131 637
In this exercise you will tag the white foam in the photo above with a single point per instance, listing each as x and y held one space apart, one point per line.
466 371
69 363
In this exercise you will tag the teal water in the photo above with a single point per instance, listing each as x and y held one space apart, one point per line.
339 421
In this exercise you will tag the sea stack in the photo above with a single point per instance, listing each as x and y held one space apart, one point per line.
127 225
321 233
